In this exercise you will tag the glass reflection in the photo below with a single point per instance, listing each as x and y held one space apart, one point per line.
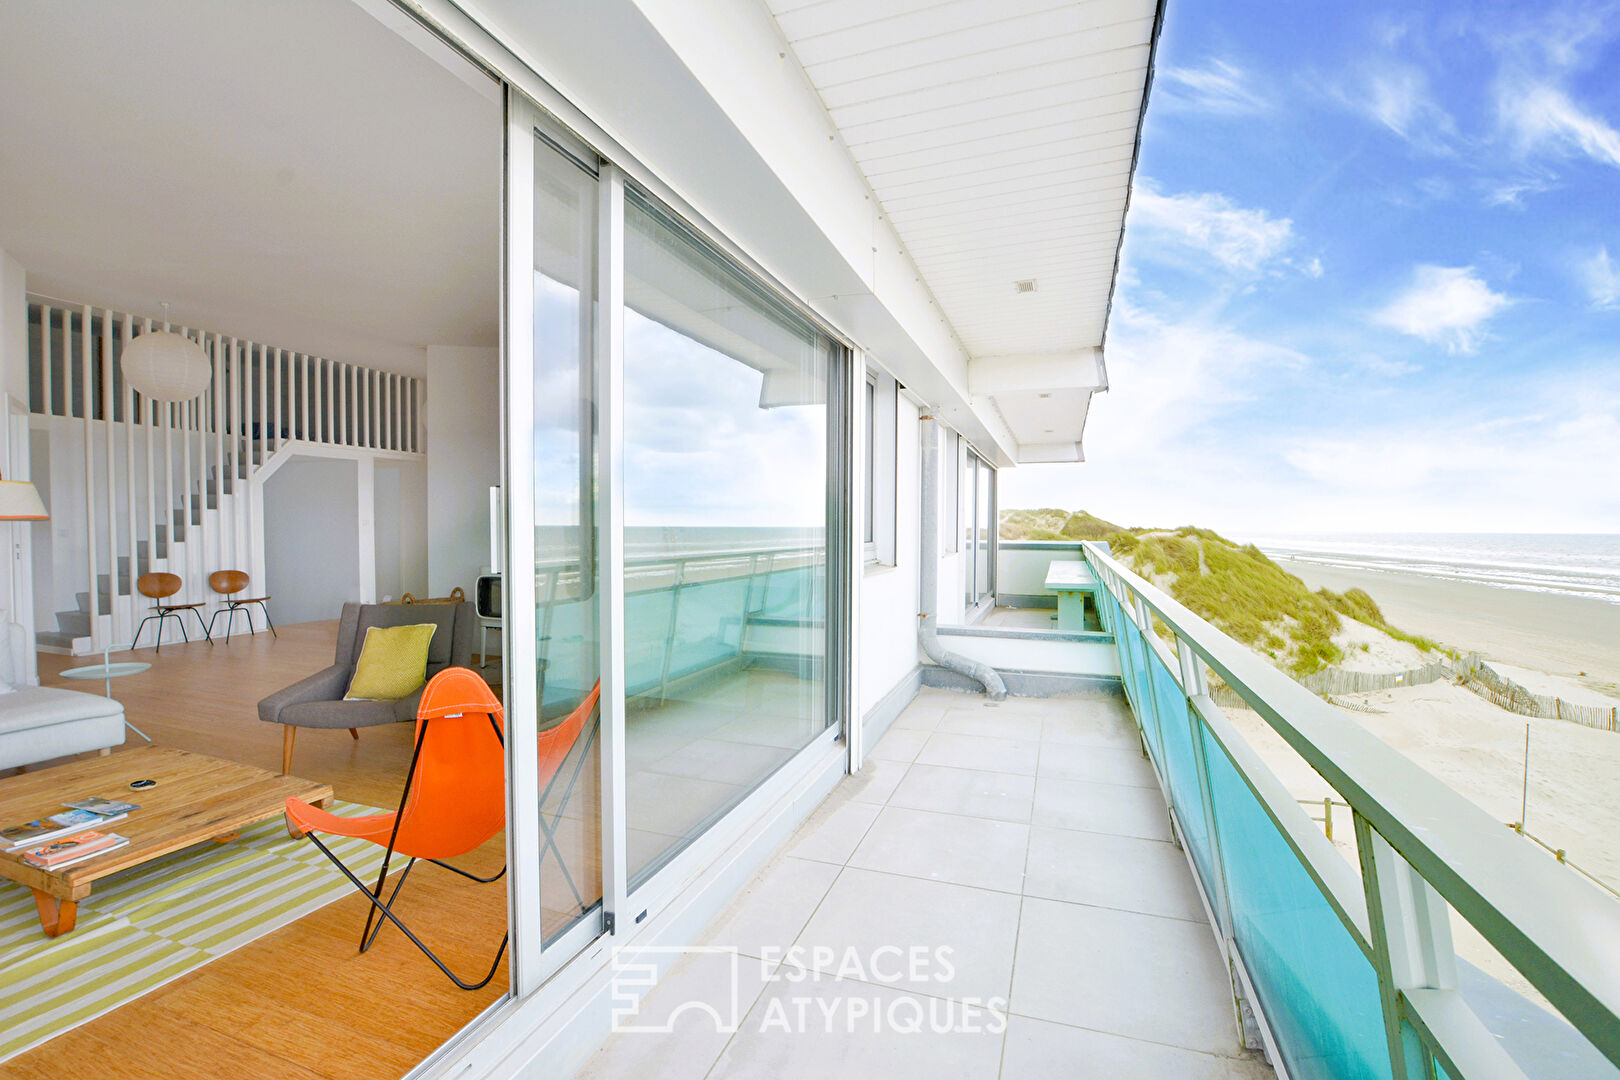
565 540
725 495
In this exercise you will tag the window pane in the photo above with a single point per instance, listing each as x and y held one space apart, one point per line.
981 548
725 495
970 477
565 537
871 463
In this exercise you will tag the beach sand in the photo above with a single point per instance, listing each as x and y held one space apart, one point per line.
1545 632
1474 746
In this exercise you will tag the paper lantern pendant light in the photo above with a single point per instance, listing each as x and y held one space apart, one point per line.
165 366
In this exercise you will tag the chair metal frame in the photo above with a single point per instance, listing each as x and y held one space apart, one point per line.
163 611
386 910
229 611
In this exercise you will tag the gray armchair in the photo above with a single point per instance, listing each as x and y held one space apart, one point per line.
317 702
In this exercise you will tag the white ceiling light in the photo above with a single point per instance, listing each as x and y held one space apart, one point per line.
165 366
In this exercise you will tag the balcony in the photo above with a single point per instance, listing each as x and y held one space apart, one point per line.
1029 839
1115 880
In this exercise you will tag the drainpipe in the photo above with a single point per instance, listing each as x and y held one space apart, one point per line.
929 592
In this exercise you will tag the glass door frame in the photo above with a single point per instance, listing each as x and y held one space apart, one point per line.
984 477
533 960
621 912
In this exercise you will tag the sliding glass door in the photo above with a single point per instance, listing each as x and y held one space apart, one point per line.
725 504
976 499
566 563
677 531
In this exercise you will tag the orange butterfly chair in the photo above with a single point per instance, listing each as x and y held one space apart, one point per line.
454 798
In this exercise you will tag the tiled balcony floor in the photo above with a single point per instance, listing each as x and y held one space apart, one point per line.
990 861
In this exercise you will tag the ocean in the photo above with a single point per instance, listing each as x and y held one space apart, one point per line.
1578 564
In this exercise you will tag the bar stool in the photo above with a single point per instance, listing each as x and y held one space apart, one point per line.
228 583
159 587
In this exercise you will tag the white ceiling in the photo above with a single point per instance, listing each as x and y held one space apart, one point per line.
294 172
999 137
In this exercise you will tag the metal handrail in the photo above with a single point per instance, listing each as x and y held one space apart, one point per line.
1563 936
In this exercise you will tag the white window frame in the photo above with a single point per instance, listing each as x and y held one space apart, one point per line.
950 537
880 484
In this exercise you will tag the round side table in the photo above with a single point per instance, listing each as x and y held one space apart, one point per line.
110 671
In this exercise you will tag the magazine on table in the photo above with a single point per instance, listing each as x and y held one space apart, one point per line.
43 830
71 849
107 809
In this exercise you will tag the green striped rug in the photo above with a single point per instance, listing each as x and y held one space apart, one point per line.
141 928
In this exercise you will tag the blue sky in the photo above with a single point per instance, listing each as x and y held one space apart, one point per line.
1371 277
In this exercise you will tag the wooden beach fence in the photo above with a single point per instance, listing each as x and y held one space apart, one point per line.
1339 681
1503 692
1474 673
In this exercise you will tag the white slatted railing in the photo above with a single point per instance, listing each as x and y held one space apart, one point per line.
165 486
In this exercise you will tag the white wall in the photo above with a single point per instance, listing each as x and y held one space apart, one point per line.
401 517
888 614
464 461
17 660
311 538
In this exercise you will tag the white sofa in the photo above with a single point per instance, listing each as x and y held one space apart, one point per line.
38 723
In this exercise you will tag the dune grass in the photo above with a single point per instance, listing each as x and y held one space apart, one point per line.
1233 586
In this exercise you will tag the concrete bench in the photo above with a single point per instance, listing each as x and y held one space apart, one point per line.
1072 581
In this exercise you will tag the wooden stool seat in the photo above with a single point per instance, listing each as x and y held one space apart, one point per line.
158 587
229 584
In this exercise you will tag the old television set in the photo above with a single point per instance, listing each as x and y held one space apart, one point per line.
487 592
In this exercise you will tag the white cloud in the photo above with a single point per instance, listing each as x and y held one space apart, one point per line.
1313 269
1444 305
1384 367
1170 377
1452 473
1543 118
1217 87
1512 192
1237 238
1601 278
1397 96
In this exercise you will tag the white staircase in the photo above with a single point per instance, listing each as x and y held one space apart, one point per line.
186 545
174 487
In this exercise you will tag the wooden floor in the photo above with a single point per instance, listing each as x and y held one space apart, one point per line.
301 1002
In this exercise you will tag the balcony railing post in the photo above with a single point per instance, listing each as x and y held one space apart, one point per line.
1410 925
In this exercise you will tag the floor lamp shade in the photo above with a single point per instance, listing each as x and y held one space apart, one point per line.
20 501
166 366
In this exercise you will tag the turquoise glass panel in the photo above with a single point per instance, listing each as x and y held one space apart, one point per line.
1180 768
1131 642
1317 989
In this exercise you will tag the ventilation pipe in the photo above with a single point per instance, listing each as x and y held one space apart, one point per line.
929 594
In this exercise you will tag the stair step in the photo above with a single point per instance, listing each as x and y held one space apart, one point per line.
53 639
72 623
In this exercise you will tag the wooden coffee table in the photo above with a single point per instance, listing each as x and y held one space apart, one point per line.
196 799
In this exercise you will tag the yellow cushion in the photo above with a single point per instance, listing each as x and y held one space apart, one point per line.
393 663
